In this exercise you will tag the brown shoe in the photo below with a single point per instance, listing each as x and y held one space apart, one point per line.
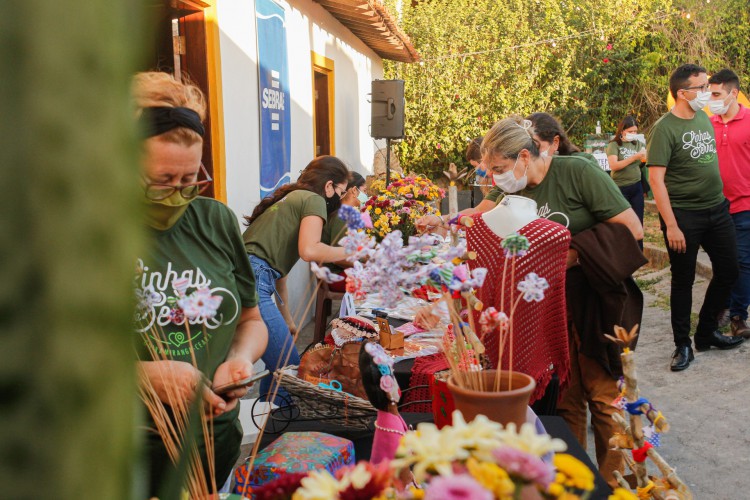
723 318
739 327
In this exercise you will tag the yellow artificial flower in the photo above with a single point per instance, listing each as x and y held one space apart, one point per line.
622 494
378 211
572 473
319 485
492 477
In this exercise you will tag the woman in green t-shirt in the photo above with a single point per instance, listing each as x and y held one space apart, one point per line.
197 315
335 228
625 153
578 194
284 227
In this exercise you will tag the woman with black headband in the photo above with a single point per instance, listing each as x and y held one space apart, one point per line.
285 226
197 317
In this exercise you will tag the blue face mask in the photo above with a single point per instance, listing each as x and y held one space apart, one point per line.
362 197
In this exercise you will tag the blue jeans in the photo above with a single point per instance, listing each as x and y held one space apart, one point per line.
279 338
740 298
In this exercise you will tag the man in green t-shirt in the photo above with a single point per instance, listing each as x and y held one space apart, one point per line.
685 180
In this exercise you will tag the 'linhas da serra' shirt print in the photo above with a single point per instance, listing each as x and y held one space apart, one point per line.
192 285
687 149
178 310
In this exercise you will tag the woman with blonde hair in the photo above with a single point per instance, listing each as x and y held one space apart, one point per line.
195 249
579 195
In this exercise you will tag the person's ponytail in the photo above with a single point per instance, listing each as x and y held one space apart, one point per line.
313 178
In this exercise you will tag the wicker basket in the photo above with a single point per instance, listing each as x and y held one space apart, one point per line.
325 405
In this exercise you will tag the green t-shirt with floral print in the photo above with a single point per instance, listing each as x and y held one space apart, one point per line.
687 148
191 286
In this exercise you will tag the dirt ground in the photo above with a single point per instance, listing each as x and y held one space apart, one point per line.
706 405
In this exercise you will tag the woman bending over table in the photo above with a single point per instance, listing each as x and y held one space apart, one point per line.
283 228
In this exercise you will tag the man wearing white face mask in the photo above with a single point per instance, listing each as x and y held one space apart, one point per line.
731 123
687 187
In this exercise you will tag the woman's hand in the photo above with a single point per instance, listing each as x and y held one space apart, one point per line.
431 224
176 383
231 370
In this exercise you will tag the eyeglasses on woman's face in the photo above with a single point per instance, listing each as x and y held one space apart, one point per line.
157 192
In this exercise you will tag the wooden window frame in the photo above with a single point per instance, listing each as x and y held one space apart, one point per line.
321 64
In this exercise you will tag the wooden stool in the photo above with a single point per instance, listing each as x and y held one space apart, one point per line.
323 301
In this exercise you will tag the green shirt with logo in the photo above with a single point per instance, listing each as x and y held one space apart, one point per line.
631 174
200 257
576 194
687 149
274 235
496 193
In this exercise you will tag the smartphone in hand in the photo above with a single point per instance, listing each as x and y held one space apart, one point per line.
246 382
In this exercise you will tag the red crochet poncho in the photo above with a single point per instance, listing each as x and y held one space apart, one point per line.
540 336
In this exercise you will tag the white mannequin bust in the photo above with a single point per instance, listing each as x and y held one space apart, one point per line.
510 215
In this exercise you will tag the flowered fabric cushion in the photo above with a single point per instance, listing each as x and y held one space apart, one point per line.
295 452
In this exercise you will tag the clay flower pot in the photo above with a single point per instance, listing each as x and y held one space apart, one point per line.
503 406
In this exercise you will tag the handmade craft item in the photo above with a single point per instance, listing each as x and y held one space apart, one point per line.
384 394
638 440
295 452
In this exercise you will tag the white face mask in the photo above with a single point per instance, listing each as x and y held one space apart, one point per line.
545 153
630 137
507 181
718 107
362 197
700 101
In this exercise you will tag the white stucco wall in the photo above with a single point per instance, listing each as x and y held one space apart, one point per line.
309 28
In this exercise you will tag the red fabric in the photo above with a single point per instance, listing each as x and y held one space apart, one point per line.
540 336
422 374
733 149
640 454
442 403
339 286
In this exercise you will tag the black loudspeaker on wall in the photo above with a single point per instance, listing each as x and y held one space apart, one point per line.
387 99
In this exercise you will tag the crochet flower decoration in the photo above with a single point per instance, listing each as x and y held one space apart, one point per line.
533 287
384 363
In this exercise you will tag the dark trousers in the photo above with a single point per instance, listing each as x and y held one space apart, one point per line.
634 195
712 229
740 298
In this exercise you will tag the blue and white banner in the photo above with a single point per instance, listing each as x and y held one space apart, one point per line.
275 113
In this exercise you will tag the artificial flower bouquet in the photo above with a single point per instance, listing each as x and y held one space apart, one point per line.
399 205
479 460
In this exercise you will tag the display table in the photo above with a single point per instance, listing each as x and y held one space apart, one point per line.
555 426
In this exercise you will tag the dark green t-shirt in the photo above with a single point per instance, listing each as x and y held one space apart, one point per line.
632 172
687 149
203 250
274 235
496 193
333 231
576 194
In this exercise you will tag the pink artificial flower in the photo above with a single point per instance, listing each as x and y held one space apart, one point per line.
366 219
386 383
460 487
609 46
605 60
439 146
524 465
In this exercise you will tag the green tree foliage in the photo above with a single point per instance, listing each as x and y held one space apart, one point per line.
583 61
68 237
